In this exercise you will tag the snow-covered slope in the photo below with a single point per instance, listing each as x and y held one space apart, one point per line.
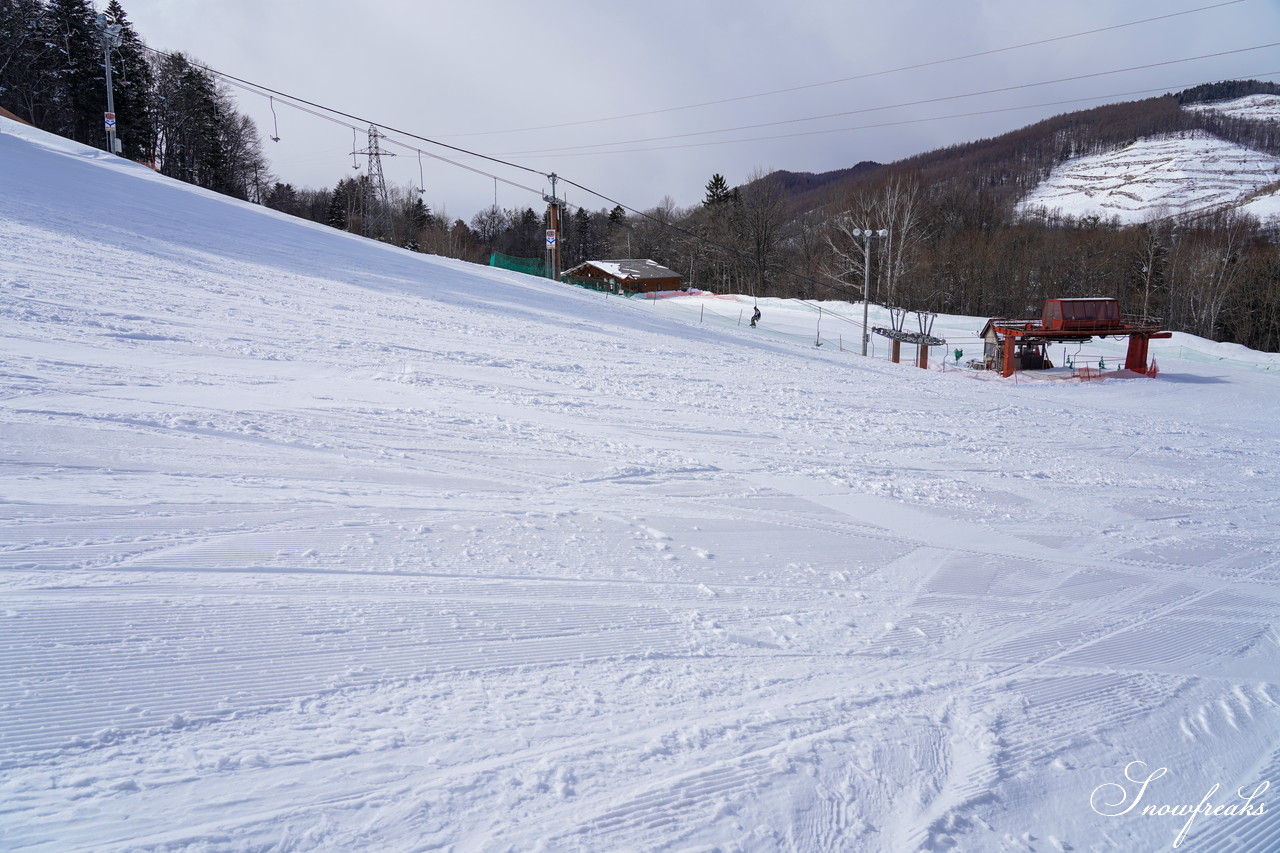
312 544
1252 107
1167 176
1155 178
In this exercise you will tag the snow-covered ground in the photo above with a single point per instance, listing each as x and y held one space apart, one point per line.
1164 176
1155 178
1252 107
308 543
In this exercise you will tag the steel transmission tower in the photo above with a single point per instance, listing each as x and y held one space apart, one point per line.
376 221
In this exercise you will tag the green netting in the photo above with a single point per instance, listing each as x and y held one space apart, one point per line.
529 266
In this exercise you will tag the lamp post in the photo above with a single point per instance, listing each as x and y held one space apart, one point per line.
110 36
866 234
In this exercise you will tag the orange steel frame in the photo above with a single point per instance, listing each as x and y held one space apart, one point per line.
1014 331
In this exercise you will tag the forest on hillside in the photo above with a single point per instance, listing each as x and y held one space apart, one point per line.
954 245
173 113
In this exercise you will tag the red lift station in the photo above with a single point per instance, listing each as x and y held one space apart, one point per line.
1020 344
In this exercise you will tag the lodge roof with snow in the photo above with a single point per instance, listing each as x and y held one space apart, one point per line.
633 274
634 269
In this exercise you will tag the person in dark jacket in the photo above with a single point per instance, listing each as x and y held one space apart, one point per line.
755 316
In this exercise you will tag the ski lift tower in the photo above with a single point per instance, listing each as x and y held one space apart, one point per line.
553 230
923 337
109 35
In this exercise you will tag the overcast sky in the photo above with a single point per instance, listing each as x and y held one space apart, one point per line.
536 84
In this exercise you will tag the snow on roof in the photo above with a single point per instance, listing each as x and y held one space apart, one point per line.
633 268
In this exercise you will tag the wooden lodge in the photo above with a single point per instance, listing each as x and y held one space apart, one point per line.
638 275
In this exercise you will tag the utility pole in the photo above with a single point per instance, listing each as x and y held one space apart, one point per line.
553 230
376 222
866 234
110 37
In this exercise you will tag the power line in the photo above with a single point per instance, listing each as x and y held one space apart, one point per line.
570 153
290 100
865 76
922 102
323 113
303 104
327 113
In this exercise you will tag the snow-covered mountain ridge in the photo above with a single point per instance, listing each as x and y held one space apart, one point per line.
1165 176
308 543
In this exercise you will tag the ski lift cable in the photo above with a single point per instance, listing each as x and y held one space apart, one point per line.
321 112
390 140
293 101
273 92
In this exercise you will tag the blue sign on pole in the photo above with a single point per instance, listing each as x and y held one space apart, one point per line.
109 119
551 238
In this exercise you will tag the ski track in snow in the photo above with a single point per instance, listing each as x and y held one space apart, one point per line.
307 543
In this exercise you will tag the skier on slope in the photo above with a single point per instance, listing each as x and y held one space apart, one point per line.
755 316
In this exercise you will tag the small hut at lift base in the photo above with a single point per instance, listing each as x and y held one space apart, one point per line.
1013 345
639 275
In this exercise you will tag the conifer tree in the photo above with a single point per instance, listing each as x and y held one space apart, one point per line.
284 198
336 215
26 51
584 244
190 118
132 83
79 91
718 191
418 215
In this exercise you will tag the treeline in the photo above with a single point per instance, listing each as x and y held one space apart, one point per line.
406 220
175 115
172 113
956 250
955 244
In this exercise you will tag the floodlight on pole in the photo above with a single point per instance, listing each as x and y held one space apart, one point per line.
866 234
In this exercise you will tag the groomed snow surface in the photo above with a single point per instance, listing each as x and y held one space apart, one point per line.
313 544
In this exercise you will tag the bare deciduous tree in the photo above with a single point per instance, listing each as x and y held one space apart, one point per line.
761 218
